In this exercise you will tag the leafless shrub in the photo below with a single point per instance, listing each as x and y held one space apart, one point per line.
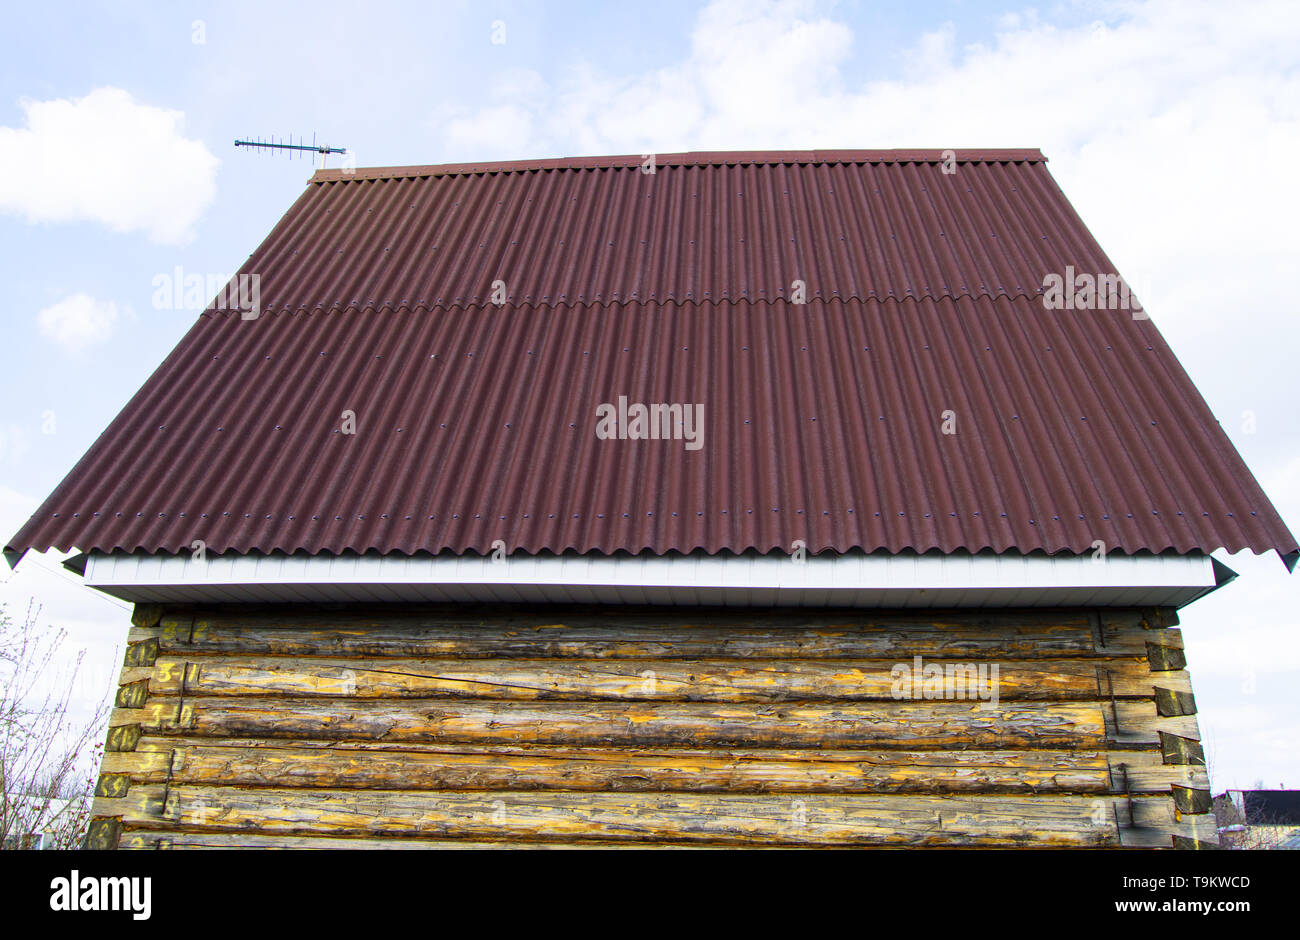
47 758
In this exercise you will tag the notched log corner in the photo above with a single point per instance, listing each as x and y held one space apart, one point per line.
146 615
113 785
1191 801
132 695
123 738
142 653
1165 658
1159 618
1171 703
1186 843
103 833
1179 750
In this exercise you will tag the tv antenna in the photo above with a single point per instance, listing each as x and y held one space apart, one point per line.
291 149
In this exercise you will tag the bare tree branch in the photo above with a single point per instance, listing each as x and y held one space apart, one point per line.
47 758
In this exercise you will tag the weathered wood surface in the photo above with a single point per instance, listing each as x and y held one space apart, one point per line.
743 724
1041 636
154 840
239 727
667 680
256 763
814 819
746 724
1142 723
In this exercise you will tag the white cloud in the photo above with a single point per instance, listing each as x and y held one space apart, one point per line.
1246 743
1284 478
106 158
78 322
15 508
15 443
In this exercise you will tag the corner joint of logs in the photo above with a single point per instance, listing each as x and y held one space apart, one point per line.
103 833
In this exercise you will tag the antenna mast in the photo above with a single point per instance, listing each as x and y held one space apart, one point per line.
291 148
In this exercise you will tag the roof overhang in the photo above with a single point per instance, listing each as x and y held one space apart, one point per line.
846 580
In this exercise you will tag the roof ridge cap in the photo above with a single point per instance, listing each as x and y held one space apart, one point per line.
691 158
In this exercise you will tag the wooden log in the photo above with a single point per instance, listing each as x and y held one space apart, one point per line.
1196 844
959 640
136 634
1155 618
621 617
755 724
1170 638
1140 723
142 653
1155 824
132 694
143 764
146 802
122 737
815 819
1171 702
648 680
153 840
1146 772
474 768
328 763
1192 801
112 785
1164 658
103 832
146 615
133 674
636 770
892 724
1178 749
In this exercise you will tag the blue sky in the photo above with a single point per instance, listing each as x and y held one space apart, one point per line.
1172 126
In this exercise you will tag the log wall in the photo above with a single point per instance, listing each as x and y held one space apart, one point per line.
489 727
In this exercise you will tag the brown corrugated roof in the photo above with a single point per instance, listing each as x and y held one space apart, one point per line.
822 420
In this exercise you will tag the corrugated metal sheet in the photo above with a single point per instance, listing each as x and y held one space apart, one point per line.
822 420
609 234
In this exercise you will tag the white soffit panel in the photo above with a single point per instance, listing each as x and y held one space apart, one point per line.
763 580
